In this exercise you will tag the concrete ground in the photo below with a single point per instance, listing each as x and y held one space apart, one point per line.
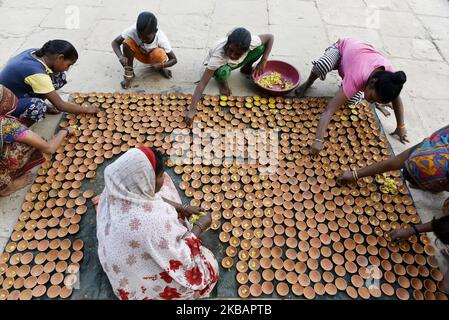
414 34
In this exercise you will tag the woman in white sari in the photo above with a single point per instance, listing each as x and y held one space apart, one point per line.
146 246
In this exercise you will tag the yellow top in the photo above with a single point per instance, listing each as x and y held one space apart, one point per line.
41 83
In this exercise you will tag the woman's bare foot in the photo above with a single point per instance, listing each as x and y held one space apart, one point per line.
95 201
18 183
224 88
166 73
383 108
301 91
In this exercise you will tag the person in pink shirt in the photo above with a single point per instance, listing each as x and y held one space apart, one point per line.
365 71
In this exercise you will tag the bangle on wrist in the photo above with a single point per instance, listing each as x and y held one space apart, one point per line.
319 140
184 208
199 225
402 126
355 176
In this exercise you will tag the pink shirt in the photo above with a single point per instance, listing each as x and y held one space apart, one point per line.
358 61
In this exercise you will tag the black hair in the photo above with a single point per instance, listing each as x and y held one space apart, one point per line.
58 47
241 38
388 84
160 162
146 23
441 229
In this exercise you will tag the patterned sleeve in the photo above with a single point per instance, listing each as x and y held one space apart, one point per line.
12 130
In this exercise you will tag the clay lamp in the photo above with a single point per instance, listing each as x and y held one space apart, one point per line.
244 291
309 293
341 284
53 291
402 294
254 277
364 293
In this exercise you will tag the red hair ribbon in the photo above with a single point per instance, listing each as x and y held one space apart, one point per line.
150 155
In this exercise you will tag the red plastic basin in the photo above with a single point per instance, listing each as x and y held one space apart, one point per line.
287 71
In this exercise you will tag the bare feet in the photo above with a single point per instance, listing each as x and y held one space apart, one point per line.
224 88
18 183
166 73
301 91
383 108
96 201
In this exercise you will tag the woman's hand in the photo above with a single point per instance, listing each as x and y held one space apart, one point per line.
189 118
316 147
402 234
192 210
401 132
345 178
91 109
70 131
258 71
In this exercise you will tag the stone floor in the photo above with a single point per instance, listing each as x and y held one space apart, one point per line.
414 34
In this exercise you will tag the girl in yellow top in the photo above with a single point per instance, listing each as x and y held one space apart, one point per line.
35 74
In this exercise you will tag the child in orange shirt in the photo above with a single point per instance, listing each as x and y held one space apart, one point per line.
146 43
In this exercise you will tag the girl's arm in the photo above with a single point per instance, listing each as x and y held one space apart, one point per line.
50 146
394 163
182 210
404 234
116 43
267 40
336 102
398 108
68 107
207 75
